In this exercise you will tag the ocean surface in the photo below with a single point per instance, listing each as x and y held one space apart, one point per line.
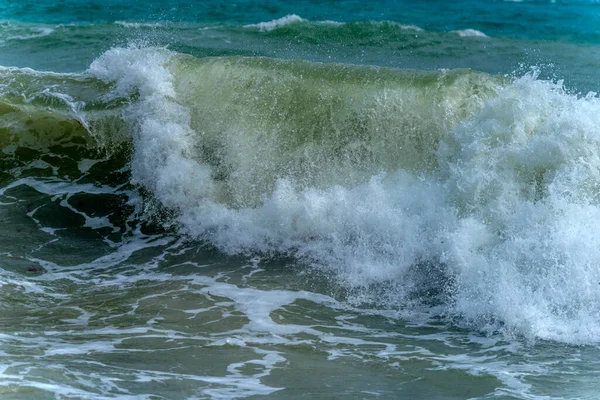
299 200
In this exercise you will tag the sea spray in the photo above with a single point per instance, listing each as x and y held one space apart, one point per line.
523 175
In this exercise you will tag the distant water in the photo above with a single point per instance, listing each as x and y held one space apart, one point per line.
386 199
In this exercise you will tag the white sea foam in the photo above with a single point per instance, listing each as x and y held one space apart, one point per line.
470 33
509 214
411 27
137 25
276 23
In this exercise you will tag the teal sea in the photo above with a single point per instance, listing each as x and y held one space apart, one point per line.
299 200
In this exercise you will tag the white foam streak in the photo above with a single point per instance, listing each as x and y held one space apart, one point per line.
137 25
276 23
470 33
411 27
258 305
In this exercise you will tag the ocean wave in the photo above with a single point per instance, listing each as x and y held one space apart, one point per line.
479 188
32 33
43 109
295 19
14 32
374 175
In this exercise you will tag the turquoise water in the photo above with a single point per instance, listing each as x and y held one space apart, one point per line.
558 37
575 21
392 199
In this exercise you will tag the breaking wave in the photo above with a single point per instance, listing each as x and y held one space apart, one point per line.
483 190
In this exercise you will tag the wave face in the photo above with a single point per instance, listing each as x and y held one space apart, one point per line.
482 187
